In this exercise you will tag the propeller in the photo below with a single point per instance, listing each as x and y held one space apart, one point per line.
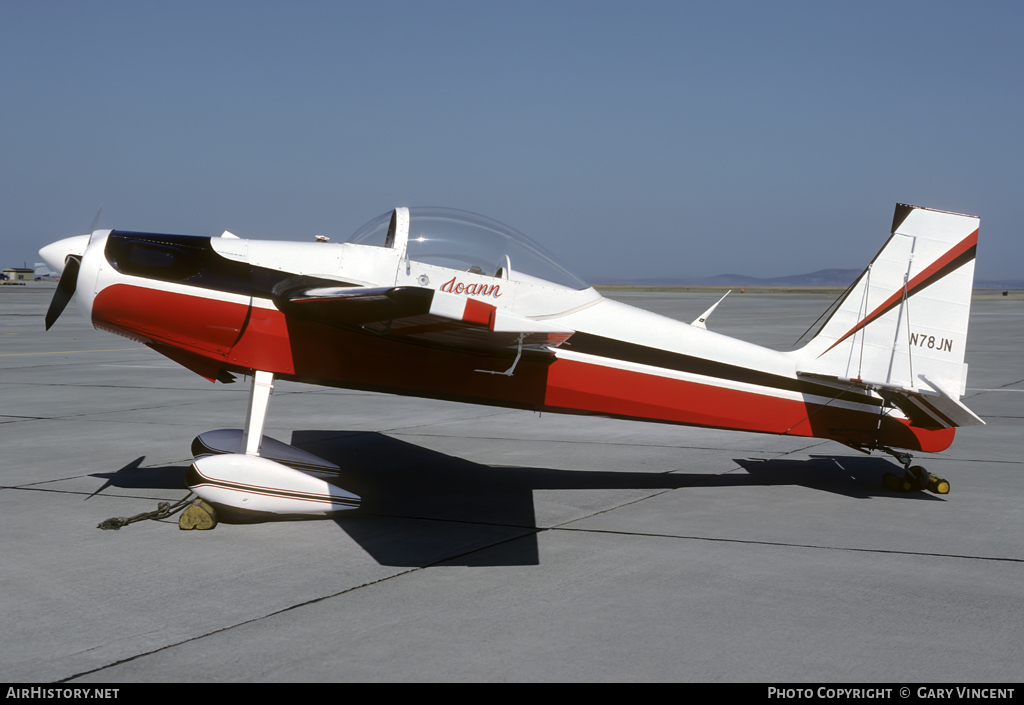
65 289
96 220
72 264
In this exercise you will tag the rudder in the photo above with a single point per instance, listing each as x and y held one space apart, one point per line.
904 321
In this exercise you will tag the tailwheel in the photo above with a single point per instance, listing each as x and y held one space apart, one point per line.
926 481
915 479
918 477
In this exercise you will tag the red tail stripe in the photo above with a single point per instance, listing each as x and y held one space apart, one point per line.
919 282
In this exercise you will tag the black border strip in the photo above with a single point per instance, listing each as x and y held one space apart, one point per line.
214 271
195 477
610 348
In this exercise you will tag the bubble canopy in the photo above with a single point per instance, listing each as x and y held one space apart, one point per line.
447 237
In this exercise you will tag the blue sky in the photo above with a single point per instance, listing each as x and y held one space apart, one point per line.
633 140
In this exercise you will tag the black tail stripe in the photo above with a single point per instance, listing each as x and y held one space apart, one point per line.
954 264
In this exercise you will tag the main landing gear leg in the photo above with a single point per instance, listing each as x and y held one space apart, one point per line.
244 473
203 515
914 478
259 400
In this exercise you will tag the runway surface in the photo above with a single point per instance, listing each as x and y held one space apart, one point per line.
498 545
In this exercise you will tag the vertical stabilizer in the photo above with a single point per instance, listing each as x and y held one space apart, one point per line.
904 322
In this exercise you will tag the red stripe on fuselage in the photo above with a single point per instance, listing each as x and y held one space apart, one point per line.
583 387
194 323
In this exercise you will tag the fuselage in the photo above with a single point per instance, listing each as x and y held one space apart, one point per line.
208 304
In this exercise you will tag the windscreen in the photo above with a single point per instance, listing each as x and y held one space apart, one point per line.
446 237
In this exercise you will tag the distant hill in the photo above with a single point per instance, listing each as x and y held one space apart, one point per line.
824 277
999 283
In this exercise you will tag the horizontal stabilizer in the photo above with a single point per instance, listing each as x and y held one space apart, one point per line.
951 407
926 409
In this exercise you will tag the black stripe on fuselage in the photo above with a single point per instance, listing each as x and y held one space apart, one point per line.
191 260
655 357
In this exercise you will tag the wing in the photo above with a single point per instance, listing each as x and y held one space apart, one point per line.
416 314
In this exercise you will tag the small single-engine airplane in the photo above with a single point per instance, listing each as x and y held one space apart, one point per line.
450 305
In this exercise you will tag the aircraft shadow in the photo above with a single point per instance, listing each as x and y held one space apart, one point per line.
857 477
131 476
418 503
442 499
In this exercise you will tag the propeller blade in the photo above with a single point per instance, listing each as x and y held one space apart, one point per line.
65 290
96 220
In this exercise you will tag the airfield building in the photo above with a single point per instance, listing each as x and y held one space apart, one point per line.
17 274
